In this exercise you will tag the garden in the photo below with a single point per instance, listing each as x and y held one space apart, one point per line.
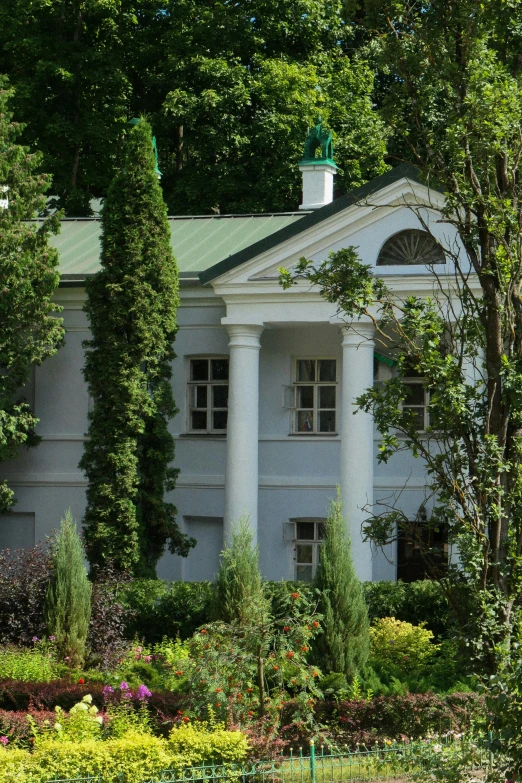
121 679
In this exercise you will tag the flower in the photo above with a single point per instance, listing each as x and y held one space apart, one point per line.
143 693
315 624
35 639
316 674
99 720
147 658
290 654
81 681
286 628
58 726
4 741
218 690
203 630
218 704
296 595
52 638
275 668
124 686
106 692
87 698
185 719
250 713
304 648
139 649
179 672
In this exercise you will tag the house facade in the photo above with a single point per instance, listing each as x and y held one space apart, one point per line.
265 380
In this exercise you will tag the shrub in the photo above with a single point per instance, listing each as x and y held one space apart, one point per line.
201 742
158 608
24 576
418 602
401 644
28 665
110 617
18 730
344 643
68 598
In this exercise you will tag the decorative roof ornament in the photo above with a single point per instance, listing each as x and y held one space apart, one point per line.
4 198
318 137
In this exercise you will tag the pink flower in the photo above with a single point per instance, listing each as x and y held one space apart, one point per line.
147 658
4 741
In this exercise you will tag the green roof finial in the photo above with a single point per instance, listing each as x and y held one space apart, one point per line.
318 137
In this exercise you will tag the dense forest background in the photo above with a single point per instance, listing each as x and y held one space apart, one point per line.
230 88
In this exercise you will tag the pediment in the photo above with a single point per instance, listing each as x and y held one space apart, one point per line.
366 223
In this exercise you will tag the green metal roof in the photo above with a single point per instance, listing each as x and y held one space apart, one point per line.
198 242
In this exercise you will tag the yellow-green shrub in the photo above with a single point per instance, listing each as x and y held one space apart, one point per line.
401 644
135 757
201 742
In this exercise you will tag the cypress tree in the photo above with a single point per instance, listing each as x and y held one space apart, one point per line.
132 304
29 332
240 597
344 644
68 600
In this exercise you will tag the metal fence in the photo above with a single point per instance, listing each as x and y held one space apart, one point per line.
319 766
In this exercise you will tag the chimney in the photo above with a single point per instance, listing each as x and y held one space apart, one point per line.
318 171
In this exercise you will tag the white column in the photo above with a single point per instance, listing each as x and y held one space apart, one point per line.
241 478
357 440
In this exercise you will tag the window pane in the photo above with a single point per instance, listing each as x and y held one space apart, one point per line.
320 530
303 573
304 553
327 421
306 369
199 370
304 397
327 369
327 396
201 397
219 419
306 531
305 421
220 396
415 394
418 416
199 420
219 369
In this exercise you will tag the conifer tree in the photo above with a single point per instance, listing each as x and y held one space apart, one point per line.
132 305
68 600
344 644
240 597
29 332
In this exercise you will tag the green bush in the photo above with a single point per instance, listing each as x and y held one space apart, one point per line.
135 757
414 602
27 665
403 645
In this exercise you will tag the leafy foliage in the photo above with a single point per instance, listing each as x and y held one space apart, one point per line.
110 618
344 643
28 665
24 577
131 306
402 644
424 601
29 331
68 600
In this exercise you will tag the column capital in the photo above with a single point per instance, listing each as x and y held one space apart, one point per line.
358 334
245 335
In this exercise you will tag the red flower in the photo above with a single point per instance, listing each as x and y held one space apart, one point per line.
304 648
275 668
290 654
250 713
286 628
296 595
81 681
315 624
218 704
186 720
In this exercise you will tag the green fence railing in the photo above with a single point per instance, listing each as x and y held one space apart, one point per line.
320 765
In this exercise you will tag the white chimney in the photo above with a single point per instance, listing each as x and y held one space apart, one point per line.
318 172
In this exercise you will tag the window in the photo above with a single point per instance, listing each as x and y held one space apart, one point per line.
417 402
308 537
422 553
315 396
411 247
208 395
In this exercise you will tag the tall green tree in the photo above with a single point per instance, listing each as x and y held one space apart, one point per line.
68 600
131 306
345 642
29 330
455 104
69 63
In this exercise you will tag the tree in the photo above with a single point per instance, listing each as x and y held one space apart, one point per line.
68 601
69 64
455 100
29 330
132 306
240 597
344 644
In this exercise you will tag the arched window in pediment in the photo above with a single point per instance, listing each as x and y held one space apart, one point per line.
410 247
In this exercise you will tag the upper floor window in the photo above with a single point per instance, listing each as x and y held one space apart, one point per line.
417 401
208 395
315 396
411 247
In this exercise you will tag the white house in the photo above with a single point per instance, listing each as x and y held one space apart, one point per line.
265 380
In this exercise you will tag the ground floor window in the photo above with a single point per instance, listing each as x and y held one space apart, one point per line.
422 553
307 536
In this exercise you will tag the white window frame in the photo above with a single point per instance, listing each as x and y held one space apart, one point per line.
316 385
191 396
315 543
425 407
